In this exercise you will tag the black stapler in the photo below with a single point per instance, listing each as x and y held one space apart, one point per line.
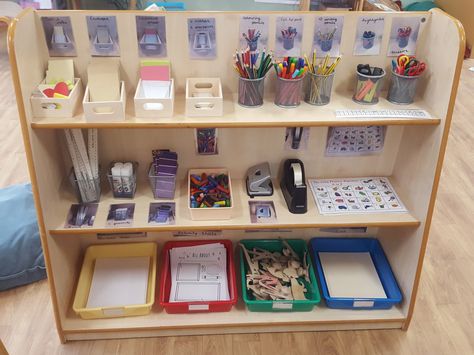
293 186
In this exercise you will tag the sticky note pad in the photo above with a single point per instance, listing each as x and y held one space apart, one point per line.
104 80
155 69
60 70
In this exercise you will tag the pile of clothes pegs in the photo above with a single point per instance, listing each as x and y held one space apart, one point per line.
277 275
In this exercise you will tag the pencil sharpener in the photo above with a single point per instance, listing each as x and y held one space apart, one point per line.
259 181
294 187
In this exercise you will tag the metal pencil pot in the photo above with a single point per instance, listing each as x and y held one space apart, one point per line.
402 89
318 88
251 92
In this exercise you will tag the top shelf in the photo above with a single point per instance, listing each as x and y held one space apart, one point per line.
268 115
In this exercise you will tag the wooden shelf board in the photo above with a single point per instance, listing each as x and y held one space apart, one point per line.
158 319
268 115
240 219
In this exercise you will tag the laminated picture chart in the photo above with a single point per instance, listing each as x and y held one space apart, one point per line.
289 35
202 38
151 36
327 35
355 195
369 35
253 32
103 36
347 141
404 35
59 36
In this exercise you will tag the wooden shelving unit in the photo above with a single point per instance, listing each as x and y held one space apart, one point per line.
412 159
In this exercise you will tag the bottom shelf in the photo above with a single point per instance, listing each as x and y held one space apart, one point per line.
239 320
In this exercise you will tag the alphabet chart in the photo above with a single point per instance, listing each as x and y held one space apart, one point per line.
344 141
355 195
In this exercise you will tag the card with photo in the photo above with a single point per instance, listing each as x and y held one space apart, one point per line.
262 212
162 213
120 215
81 215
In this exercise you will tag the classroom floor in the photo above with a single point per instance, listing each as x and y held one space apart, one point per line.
443 322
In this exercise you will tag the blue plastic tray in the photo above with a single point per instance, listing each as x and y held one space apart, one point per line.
354 245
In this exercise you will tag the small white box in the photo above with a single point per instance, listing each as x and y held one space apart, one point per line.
60 108
204 97
105 110
153 107
211 213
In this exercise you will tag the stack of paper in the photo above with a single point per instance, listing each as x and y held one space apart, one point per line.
199 273
155 76
104 80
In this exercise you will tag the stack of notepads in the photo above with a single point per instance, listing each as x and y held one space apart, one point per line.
163 173
155 76
199 273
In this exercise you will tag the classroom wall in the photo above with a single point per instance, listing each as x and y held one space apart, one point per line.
464 11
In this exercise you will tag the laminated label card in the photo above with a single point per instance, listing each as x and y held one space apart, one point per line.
103 36
253 32
289 35
151 36
327 35
202 38
404 35
59 36
369 35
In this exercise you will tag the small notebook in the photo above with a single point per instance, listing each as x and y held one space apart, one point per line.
119 282
351 275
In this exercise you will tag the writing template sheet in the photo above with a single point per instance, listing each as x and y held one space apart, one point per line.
289 35
404 35
253 32
369 35
199 273
119 282
202 38
351 275
327 35
151 36
355 195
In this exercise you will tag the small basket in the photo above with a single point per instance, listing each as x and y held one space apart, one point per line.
204 97
153 107
111 111
123 186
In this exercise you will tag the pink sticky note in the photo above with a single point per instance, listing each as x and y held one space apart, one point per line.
159 72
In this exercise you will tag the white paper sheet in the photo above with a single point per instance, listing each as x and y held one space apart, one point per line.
351 275
155 89
199 273
119 282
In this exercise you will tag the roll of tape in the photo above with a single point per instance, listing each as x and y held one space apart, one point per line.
297 173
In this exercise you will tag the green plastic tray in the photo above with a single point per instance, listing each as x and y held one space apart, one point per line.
312 295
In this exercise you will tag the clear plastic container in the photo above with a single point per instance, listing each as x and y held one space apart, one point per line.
251 92
318 88
162 186
288 92
402 89
368 88
123 186
86 190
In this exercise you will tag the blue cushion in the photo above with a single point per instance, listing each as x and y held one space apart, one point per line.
21 256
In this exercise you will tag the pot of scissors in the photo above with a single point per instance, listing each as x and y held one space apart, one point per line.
406 72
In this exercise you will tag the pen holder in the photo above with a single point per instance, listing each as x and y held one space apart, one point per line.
288 92
251 92
368 42
162 186
326 45
368 88
402 89
403 40
86 190
123 186
288 43
318 88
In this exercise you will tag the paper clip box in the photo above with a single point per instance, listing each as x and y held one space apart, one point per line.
126 250
196 306
154 107
55 107
211 213
204 97
105 110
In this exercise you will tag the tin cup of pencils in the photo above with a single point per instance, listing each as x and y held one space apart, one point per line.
251 92
402 89
288 91
368 88
318 88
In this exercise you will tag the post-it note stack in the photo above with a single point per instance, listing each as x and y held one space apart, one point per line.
155 69
104 80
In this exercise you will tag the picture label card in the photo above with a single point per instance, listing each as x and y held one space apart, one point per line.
202 38
289 35
327 35
369 35
404 35
151 36
103 36
59 36
253 32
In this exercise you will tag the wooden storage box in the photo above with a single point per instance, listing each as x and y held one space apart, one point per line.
58 108
153 108
216 213
105 110
127 250
204 97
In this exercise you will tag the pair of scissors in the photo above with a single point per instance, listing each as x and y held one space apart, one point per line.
416 70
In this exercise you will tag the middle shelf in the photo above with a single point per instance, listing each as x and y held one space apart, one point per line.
240 216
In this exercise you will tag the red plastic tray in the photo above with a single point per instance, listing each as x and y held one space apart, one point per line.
202 306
